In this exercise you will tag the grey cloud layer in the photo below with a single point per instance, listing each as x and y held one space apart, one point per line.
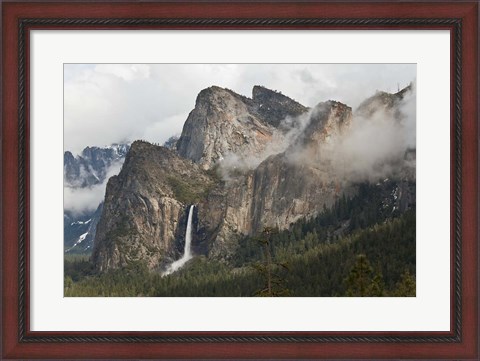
108 103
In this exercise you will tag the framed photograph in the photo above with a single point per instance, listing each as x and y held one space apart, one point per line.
240 180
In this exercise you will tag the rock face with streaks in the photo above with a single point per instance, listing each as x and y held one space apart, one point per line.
225 123
145 206
281 189
246 163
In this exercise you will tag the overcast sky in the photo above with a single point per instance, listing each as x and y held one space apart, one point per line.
111 103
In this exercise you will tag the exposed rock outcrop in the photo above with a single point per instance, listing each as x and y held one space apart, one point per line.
146 205
283 188
224 123
383 101
274 107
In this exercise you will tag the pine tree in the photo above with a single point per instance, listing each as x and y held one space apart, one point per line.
359 281
274 283
406 287
377 286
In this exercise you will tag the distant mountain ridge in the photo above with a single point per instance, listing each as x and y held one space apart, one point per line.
87 170
90 167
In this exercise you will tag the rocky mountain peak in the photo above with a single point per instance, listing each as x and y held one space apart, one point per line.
68 156
91 166
274 107
220 97
209 94
327 118
261 94
113 151
145 207
160 162
224 122
383 101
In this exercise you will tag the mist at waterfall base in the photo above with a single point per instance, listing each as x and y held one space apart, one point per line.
187 254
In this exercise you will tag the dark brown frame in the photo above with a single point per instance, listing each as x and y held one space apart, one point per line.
461 18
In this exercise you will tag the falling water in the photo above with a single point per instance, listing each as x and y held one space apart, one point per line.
187 255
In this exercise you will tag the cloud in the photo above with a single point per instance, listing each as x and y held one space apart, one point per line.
374 145
111 103
291 129
127 72
114 103
82 200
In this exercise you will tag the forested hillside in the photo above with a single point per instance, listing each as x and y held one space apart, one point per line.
355 248
262 196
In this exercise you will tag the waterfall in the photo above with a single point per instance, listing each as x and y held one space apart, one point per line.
187 254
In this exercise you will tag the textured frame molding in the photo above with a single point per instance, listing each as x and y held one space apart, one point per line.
24 24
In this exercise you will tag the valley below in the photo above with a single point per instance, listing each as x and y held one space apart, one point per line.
257 196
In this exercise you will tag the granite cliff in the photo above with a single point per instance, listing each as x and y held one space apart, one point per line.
144 208
246 163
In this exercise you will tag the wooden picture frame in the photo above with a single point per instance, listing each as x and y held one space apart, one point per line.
460 18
